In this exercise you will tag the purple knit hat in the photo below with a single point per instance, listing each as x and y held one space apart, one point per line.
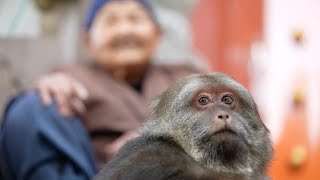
96 5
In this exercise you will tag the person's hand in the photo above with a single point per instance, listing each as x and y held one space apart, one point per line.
68 93
112 149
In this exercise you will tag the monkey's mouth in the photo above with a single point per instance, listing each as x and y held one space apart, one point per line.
225 131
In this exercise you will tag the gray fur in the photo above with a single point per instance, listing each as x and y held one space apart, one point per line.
172 116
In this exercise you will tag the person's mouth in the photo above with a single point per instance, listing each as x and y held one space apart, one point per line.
125 44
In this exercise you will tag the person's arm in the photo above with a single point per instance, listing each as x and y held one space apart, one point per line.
67 92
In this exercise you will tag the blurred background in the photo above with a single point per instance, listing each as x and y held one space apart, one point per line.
270 46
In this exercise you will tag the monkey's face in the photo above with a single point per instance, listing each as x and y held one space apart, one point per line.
219 127
215 120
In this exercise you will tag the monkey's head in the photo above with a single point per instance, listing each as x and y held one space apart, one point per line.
215 120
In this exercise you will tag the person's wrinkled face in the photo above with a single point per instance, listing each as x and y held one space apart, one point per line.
122 34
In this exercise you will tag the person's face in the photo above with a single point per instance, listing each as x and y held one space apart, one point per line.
122 35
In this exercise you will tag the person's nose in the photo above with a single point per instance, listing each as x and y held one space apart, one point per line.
124 28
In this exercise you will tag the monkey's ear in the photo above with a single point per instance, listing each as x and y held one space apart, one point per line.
160 105
154 104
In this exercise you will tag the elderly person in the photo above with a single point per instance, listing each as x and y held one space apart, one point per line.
81 114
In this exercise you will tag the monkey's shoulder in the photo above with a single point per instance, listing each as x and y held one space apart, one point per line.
146 158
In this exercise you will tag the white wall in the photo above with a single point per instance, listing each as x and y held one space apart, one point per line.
21 19
285 62
18 18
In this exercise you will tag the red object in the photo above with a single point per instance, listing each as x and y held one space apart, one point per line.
295 134
224 31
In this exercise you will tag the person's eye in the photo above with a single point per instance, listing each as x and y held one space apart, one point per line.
204 100
227 100
134 18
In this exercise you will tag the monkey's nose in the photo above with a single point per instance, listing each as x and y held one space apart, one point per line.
223 116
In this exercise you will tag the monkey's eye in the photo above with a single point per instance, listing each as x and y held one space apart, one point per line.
204 101
227 100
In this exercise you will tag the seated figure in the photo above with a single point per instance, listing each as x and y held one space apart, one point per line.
81 114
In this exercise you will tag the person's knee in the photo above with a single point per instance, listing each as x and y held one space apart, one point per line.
23 111
27 113
30 128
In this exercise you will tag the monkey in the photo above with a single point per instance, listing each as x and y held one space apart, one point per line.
205 126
